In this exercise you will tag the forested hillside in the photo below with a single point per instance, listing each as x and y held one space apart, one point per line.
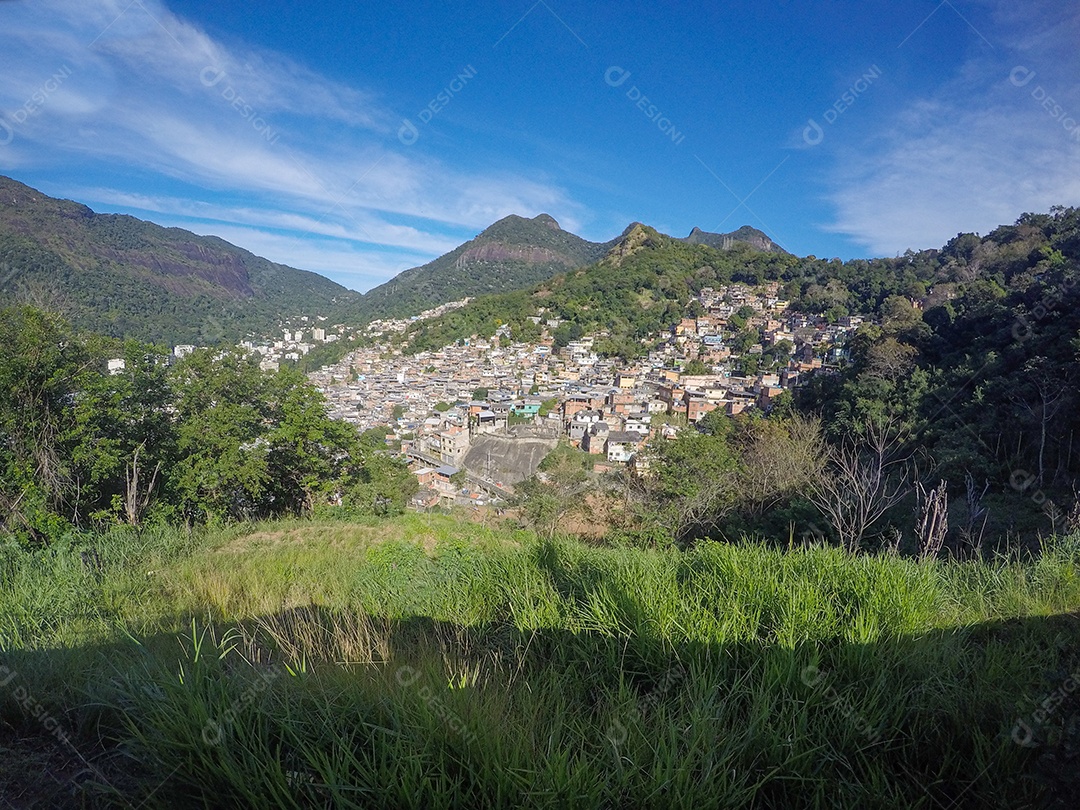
967 367
121 276
514 253
983 373
646 281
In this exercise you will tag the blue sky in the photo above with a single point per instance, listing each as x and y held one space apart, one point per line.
358 140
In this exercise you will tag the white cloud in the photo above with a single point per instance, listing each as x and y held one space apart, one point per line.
980 151
382 233
356 269
153 94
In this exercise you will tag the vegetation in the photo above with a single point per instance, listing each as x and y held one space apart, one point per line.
647 280
644 285
557 491
514 253
421 661
721 477
210 438
861 638
120 276
962 382
979 387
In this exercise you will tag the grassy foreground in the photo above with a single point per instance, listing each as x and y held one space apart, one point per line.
428 662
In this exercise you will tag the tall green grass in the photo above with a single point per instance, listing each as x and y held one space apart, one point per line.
428 662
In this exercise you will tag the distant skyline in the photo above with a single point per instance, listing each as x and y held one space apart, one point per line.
357 140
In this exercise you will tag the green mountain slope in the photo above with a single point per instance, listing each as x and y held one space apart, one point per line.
642 284
122 276
512 254
646 281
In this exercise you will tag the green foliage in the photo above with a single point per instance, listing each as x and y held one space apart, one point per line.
327 354
373 482
547 406
985 380
211 438
643 285
692 483
429 662
120 276
557 490
513 254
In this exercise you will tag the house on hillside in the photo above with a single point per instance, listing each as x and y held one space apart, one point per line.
594 439
621 445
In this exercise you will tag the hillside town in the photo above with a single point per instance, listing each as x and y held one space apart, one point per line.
438 406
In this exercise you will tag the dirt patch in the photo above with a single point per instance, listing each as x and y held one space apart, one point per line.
36 771
595 520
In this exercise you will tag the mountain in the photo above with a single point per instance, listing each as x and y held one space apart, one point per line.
751 236
646 281
513 254
121 276
641 284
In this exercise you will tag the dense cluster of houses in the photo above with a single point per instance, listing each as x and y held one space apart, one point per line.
436 404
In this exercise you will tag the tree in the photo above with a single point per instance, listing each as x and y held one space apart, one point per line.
1041 395
781 352
557 490
252 444
222 472
751 365
39 367
480 394
565 333
780 459
124 433
306 450
373 482
861 482
691 486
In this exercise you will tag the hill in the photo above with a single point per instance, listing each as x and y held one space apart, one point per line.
647 280
121 276
751 236
643 283
512 254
